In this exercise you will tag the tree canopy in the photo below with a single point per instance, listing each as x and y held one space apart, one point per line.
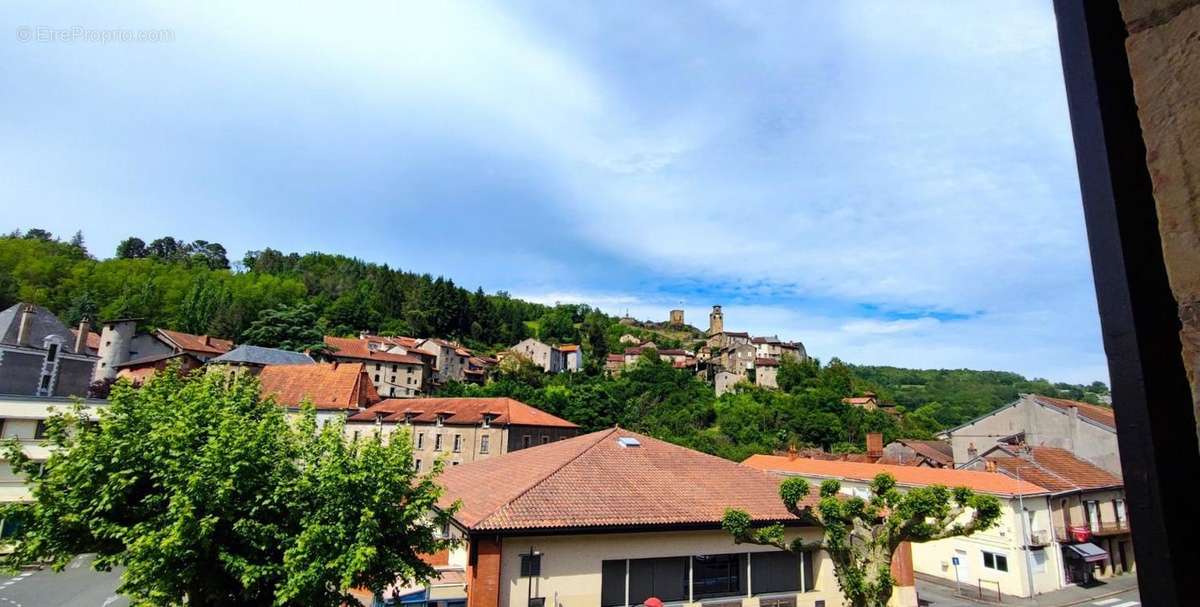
861 535
207 495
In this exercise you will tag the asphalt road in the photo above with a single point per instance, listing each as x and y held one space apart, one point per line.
76 586
935 595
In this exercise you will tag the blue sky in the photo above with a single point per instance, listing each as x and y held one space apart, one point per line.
887 182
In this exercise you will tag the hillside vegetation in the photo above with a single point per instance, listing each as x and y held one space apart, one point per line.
291 300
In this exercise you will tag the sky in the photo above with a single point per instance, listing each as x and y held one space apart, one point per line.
887 182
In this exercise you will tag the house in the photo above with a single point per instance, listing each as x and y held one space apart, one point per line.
478 367
766 372
541 354
1091 526
141 369
572 356
613 517
868 401
91 339
395 375
252 359
909 452
120 342
725 339
613 363
334 389
1016 557
451 362
40 356
23 418
773 347
1088 431
670 355
724 381
461 429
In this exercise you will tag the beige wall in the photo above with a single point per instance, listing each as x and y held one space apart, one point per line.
1164 60
20 417
424 439
1043 426
571 564
394 380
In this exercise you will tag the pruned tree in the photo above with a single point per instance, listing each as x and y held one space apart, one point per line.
861 535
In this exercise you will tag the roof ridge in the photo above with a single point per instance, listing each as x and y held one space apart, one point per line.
601 435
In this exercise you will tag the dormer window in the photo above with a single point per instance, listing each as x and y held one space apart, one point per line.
408 417
487 420
441 419
379 419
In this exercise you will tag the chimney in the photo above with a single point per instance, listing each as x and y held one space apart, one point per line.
207 340
989 465
875 444
972 451
82 335
792 452
25 329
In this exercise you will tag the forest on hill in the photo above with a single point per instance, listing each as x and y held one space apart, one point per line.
290 300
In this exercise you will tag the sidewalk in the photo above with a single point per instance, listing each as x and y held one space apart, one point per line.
1071 595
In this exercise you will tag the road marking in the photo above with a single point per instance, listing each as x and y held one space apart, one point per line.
110 600
1106 602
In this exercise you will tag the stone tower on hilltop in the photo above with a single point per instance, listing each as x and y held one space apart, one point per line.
716 321
677 318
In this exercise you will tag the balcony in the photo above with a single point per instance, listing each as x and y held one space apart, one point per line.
1040 537
1074 534
1113 528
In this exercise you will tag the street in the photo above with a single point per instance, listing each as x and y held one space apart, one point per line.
76 586
937 595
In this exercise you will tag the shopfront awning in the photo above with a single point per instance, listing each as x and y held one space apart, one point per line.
1087 551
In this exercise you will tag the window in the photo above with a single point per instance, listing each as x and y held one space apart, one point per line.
356 435
484 443
718 575
441 418
51 352
40 431
526 441
46 382
391 391
393 379
545 439
377 377
665 578
457 443
417 465
376 368
420 440
437 442
994 560
1039 560
537 601
394 367
781 572
487 420
531 565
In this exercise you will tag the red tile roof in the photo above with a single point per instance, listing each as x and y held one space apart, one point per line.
93 339
912 476
568 347
937 450
615 358
335 386
463 411
204 344
1055 469
592 481
351 347
766 362
1096 413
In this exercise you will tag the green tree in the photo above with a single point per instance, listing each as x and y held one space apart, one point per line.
207 495
861 536
287 327
131 248
200 307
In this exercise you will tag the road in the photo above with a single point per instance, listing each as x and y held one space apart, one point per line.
76 586
935 595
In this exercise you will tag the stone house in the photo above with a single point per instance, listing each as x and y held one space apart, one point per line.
120 342
1087 431
451 359
542 354
726 339
461 430
40 356
766 372
724 381
141 369
572 356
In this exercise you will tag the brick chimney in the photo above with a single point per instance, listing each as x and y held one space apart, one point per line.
875 444
989 465
25 329
82 335
972 451
792 454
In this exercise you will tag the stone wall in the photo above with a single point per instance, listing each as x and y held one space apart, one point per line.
1164 58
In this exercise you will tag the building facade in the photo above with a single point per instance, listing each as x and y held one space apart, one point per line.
395 375
461 430
1087 431
39 356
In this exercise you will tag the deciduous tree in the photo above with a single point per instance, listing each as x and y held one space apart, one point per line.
208 495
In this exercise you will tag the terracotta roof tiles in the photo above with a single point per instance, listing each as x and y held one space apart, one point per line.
913 476
1055 469
469 411
592 481
205 344
1096 413
338 386
351 347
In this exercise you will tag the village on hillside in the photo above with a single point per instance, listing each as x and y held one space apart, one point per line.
1050 462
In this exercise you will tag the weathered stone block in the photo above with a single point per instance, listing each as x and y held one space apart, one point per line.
1143 14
